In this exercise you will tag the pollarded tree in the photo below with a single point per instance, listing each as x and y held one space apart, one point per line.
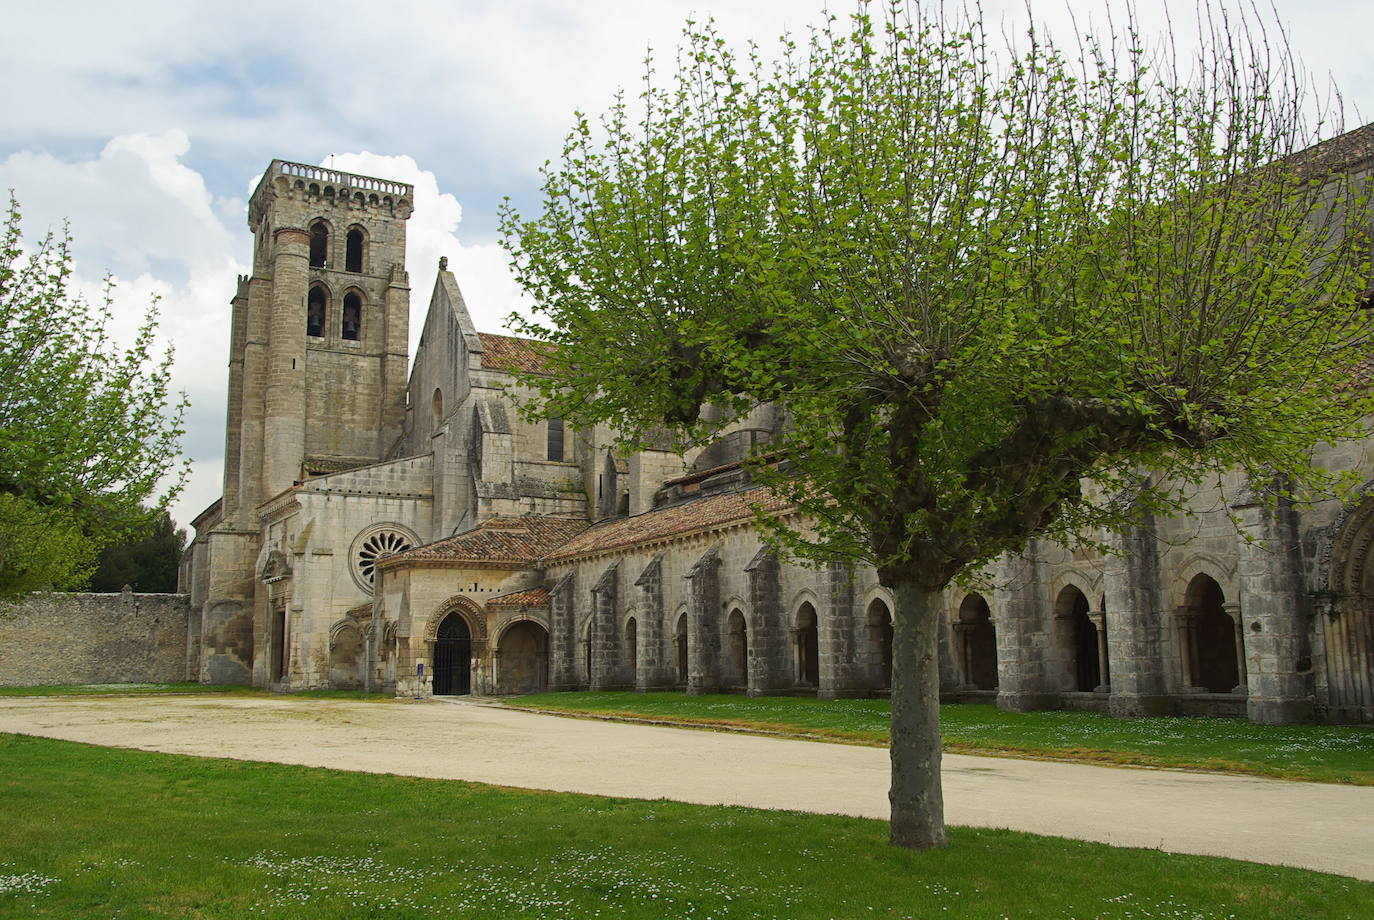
88 430
975 282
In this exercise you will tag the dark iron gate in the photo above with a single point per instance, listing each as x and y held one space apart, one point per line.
453 657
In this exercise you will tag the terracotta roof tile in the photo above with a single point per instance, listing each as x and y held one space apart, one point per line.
514 541
536 597
690 516
1337 154
508 353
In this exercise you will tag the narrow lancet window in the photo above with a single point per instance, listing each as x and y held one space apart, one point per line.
352 316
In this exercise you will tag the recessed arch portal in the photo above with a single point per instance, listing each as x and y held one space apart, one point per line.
523 662
452 666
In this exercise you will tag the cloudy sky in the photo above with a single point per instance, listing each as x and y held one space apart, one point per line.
145 123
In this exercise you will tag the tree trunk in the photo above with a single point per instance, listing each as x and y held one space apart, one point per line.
918 806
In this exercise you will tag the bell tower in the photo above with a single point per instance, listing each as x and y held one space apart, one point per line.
319 351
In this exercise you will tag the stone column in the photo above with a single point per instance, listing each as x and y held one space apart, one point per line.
768 639
284 397
605 630
1186 626
1275 638
703 624
1135 625
1019 620
1104 681
563 633
840 674
653 652
1238 632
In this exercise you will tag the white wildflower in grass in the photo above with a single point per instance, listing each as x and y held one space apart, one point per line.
25 883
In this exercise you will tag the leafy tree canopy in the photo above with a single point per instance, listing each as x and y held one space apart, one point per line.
88 429
988 285
146 559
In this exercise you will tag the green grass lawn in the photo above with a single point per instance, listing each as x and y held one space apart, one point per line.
93 833
1323 753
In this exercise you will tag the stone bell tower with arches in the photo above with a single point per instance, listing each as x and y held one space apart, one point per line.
318 359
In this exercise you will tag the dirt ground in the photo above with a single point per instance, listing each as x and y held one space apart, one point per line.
1315 826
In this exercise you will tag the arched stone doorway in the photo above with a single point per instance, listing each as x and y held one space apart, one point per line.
977 644
736 676
1211 644
523 658
808 647
879 620
452 666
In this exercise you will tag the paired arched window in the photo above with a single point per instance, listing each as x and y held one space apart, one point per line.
353 250
317 312
319 244
352 328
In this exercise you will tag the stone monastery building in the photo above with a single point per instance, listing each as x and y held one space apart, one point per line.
413 533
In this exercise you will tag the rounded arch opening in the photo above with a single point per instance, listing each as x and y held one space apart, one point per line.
354 248
451 670
879 621
1211 645
351 327
808 648
680 649
523 662
1076 639
319 244
736 674
317 311
977 644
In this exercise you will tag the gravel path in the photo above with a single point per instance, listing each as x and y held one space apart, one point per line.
1315 826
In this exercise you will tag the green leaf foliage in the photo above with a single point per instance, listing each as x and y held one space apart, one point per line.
88 428
988 285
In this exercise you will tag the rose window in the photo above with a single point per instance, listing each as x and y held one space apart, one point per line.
376 548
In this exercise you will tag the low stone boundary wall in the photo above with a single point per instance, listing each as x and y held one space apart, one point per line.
94 639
